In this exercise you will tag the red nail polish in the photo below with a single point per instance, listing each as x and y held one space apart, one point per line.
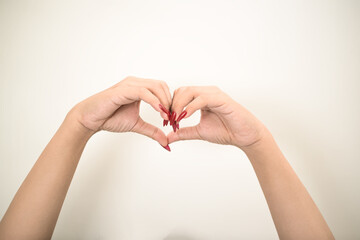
181 116
170 119
174 126
167 148
173 117
177 125
164 109
165 122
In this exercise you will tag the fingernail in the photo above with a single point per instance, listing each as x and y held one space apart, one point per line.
165 122
174 126
167 147
170 119
177 125
173 117
181 116
164 109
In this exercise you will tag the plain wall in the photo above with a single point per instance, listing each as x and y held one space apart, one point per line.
294 64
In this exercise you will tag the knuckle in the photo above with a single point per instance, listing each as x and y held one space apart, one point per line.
182 89
195 91
187 89
163 83
201 98
143 90
129 78
160 86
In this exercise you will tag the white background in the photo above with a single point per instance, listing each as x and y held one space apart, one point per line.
294 64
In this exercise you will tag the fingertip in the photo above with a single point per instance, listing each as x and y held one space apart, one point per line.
161 138
172 118
163 109
164 116
189 112
158 107
181 116
167 147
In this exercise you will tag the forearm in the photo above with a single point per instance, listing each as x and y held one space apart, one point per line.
293 211
36 206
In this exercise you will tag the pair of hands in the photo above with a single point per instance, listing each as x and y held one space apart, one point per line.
116 109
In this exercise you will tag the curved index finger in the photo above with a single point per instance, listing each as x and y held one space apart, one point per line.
127 95
182 97
156 87
195 98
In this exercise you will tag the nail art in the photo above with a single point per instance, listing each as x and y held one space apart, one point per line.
181 116
167 148
165 122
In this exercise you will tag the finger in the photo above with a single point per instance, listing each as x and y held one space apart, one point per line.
191 106
182 97
166 90
156 87
186 133
197 104
127 95
150 131
165 113
195 98
168 94
164 116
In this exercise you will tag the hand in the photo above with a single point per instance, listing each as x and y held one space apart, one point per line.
223 120
117 109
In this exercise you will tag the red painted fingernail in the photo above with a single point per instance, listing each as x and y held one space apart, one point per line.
165 122
174 126
164 109
181 116
170 119
173 117
167 148
177 125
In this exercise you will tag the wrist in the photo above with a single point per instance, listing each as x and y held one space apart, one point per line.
72 123
260 144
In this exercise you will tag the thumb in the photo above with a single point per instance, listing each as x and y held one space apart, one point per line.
186 133
150 131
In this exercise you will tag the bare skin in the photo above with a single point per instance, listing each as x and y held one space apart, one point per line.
36 206
224 121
